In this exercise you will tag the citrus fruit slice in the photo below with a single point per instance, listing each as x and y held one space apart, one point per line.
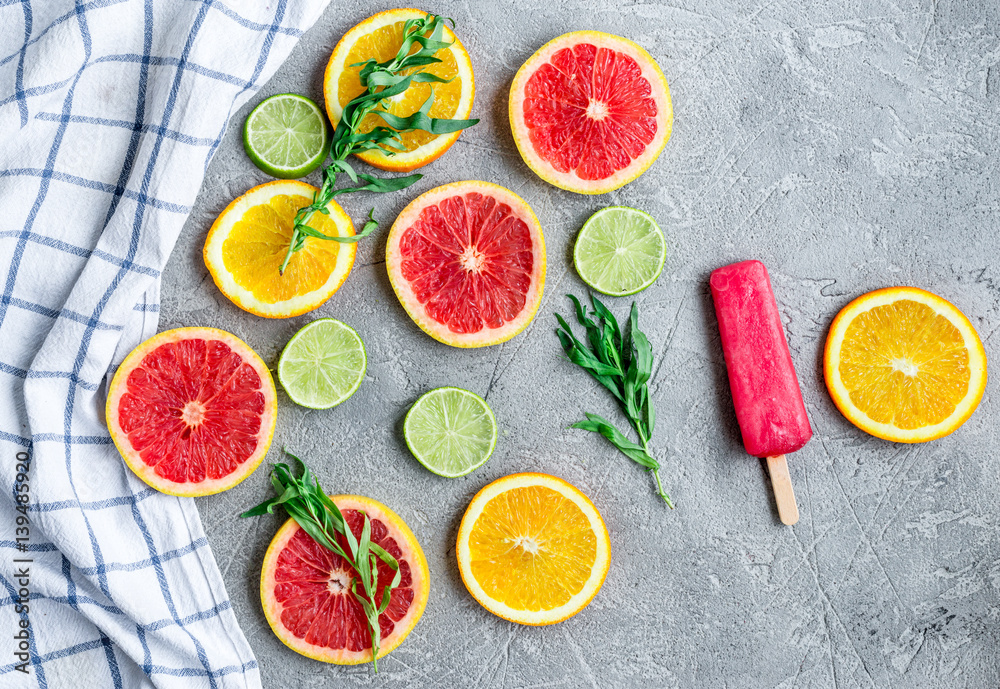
286 136
533 549
904 365
590 111
192 411
247 243
323 364
619 251
305 589
380 37
467 261
451 431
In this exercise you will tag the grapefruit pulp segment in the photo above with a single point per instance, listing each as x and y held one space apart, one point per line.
192 411
590 111
467 261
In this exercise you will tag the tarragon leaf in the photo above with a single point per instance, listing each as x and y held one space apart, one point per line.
383 555
602 312
346 167
381 185
578 353
423 122
600 343
378 96
642 349
611 336
363 557
598 424
650 416
261 509
623 363
419 61
595 368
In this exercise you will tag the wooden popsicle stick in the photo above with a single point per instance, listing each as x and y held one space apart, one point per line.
781 482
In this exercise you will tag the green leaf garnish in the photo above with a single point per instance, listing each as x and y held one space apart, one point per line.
622 363
309 506
381 81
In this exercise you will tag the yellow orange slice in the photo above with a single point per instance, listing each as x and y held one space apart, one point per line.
246 246
904 365
533 549
305 589
380 37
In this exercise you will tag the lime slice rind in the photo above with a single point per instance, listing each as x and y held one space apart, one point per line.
450 431
619 251
323 364
286 136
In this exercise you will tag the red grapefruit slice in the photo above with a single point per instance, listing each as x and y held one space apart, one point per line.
192 411
590 111
305 589
467 261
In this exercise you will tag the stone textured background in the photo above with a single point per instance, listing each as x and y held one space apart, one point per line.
849 145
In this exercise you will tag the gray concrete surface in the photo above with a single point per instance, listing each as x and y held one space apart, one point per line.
849 145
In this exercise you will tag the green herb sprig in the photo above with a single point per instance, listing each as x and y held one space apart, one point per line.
317 514
622 363
381 81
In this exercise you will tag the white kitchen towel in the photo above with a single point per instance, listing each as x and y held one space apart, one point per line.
110 112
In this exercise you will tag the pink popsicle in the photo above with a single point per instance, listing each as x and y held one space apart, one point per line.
766 394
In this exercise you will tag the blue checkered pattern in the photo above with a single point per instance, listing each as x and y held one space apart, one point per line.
110 112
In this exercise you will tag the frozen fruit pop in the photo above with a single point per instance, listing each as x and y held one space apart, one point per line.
766 394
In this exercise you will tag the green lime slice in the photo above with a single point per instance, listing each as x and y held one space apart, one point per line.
619 251
286 136
323 364
450 431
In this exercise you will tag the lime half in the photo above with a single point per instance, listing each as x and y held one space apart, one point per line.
619 251
450 431
323 364
286 136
